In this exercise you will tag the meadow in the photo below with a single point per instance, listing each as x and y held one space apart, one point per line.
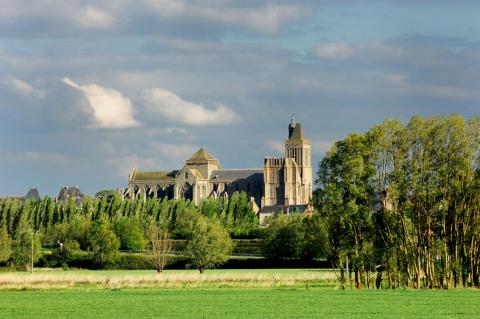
266 293
238 303
120 279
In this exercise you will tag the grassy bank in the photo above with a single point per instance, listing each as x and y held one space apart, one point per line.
120 279
238 303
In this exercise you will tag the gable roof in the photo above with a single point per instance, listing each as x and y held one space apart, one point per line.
33 194
153 176
202 154
236 174
67 192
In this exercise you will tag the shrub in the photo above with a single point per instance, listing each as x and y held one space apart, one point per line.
210 245
129 232
102 243
22 253
296 236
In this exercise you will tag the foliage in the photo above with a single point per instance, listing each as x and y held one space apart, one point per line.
129 232
22 253
296 236
234 213
404 202
102 243
160 247
209 245
5 245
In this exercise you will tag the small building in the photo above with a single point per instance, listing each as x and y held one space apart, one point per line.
68 192
32 195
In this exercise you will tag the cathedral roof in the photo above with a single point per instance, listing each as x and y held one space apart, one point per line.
236 174
202 154
153 176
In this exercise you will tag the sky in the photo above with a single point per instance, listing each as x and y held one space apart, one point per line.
89 89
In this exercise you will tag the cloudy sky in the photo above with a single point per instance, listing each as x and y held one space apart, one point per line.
90 88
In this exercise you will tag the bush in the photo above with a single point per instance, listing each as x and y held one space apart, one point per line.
129 232
295 236
144 262
22 249
102 243
210 245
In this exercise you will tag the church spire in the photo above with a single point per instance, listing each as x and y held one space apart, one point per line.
295 131
292 120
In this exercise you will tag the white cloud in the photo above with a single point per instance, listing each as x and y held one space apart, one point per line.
333 50
110 108
165 103
60 14
94 18
264 19
25 89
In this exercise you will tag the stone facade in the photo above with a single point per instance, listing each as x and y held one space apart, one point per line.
282 181
288 180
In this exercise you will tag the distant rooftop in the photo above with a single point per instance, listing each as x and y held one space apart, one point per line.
202 154
67 192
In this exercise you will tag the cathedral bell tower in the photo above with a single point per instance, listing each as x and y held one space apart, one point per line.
298 148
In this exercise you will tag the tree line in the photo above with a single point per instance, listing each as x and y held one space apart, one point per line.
402 203
102 226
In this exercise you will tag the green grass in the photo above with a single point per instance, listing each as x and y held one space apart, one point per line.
217 294
239 303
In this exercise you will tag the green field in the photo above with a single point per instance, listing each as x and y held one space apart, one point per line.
239 303
267 293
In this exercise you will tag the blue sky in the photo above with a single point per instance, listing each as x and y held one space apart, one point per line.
90 88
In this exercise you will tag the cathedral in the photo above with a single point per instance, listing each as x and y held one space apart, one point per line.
284 183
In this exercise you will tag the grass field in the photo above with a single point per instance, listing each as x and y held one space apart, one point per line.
270 293
238 303
116 279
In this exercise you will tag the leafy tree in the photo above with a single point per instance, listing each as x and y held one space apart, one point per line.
160 247
129 232
102 243
315 237
295 236
346 196
209 245
5 244
22 253
284 237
